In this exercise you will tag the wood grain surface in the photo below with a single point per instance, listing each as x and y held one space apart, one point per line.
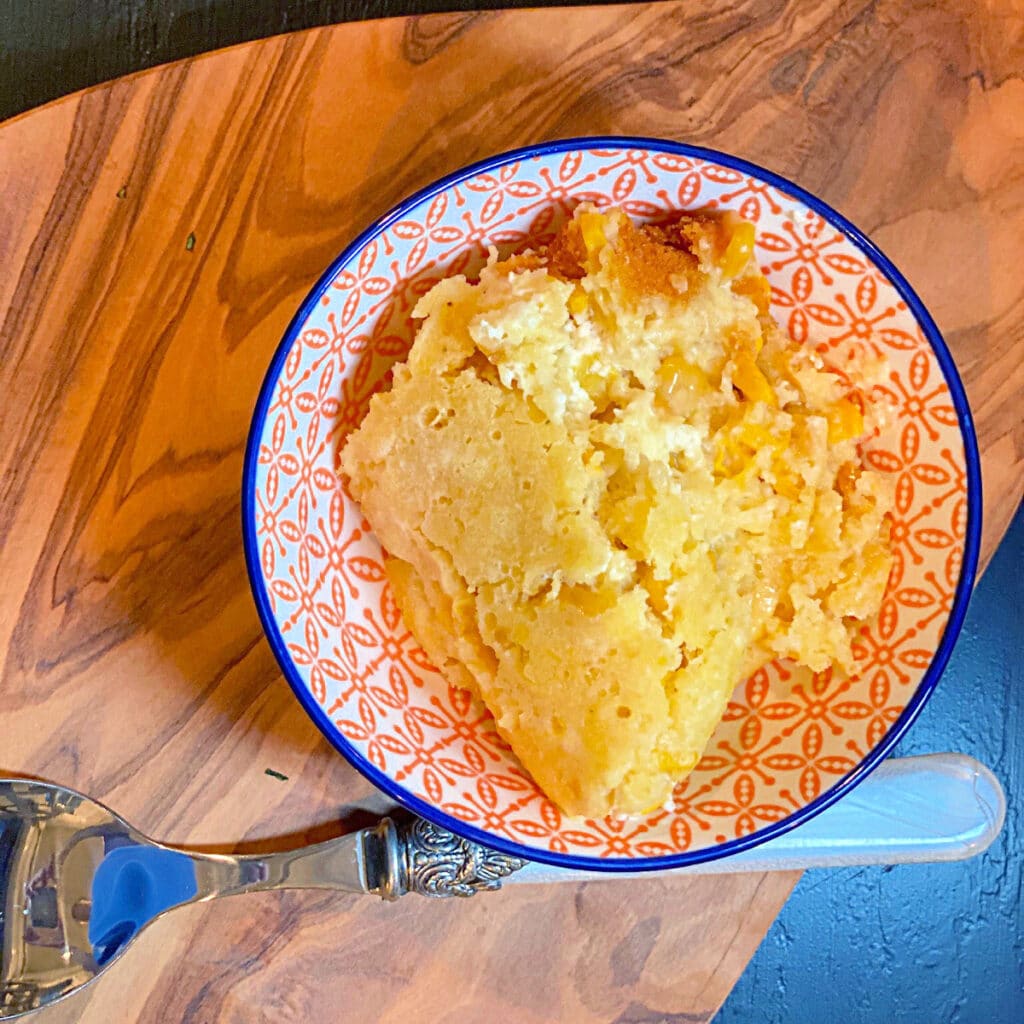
133 665
51 48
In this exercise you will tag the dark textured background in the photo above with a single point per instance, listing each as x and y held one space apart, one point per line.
919 943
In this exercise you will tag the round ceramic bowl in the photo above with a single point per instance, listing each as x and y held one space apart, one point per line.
790 743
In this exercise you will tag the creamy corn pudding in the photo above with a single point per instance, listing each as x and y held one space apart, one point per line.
610 487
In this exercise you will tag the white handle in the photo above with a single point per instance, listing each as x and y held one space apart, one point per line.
936 807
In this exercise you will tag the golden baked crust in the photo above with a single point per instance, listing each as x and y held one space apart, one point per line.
609 488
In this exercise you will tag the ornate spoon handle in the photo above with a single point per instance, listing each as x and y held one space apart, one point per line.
386 860
422 857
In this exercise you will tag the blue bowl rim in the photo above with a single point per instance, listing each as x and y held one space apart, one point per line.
924 689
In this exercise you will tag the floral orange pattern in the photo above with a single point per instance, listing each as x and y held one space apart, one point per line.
787 736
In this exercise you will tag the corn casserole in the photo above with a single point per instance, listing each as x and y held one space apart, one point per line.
610 487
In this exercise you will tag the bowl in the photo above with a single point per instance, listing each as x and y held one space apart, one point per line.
791 743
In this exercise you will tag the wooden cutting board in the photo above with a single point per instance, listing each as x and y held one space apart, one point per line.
156 235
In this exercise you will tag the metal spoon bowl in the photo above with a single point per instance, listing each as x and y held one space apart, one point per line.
78 883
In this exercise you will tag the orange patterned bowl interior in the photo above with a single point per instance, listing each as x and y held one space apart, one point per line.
790 743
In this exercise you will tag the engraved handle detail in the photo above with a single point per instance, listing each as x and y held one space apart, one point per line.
424 858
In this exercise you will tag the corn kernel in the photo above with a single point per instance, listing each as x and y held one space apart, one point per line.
591 601
747 376
592 229
725 457
756 288
787 484
680 385
739 249
755 436
732 459
845 421
578 301
743 337
846 478
674 765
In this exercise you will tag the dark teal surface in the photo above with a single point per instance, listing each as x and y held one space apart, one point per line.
921 943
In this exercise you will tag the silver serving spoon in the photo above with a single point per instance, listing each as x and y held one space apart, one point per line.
78 883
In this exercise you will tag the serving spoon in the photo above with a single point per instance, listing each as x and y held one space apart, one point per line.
78 883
